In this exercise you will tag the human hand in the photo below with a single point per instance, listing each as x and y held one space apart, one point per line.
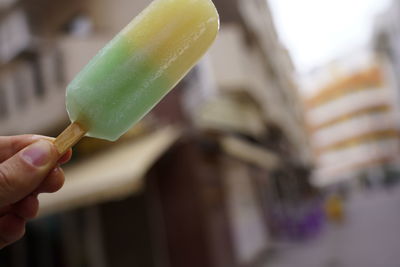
29 165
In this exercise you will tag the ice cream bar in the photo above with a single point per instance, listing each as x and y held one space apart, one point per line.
136 69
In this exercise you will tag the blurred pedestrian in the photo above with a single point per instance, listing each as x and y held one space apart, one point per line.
334 208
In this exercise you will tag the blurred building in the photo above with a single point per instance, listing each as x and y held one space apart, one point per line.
198 182
249 56
386 40
351 119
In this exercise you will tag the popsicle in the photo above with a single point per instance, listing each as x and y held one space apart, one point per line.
136 69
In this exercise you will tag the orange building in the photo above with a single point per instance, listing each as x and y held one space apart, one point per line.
352 122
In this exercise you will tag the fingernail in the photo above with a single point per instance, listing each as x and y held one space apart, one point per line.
37 154
41 137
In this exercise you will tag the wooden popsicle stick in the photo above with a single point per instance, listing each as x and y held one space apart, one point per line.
69 137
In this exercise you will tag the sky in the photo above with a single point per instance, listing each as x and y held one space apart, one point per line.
318 31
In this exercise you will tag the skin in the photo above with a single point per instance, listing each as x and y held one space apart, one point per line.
22 180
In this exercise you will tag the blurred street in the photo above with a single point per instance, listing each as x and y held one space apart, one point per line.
369 236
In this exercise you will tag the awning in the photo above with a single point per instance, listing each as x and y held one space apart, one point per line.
109 176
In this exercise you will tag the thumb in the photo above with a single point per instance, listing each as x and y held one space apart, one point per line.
21 174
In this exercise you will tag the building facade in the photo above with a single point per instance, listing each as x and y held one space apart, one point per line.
351 119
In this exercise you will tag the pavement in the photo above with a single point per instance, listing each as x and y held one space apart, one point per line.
369 236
